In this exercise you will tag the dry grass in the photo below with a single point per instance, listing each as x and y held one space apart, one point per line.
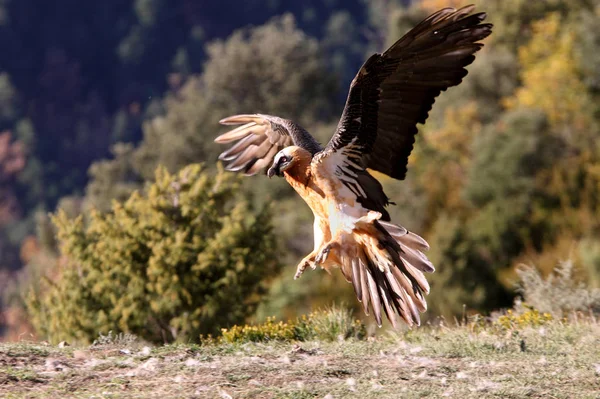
553 361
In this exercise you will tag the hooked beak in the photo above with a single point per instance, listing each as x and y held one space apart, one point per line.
278 168
273 170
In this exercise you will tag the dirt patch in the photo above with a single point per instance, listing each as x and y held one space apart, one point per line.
559 362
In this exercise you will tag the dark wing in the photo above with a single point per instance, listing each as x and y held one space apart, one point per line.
395 90
258 140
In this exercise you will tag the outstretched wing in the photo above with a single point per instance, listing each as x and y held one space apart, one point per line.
394 91
258 140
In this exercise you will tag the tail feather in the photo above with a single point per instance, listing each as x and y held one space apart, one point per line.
387 272
403 303
387 299
405 237
362 261
374 294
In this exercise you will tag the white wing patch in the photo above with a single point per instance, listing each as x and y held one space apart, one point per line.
337 173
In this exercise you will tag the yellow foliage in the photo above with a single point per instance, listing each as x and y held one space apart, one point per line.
550 75
452 147
434 5
325 325
460 127
268 331
530 318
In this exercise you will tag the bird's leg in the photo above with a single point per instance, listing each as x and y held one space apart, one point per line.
306 262
326 250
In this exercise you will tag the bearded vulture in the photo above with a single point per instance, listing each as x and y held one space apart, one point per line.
389 96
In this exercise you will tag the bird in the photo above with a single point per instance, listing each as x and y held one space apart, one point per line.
392 92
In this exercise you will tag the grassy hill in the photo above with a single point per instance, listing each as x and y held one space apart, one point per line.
554 359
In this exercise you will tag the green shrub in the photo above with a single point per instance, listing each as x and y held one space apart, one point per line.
330 324
530 317
324 325
558 294
186 258
268 331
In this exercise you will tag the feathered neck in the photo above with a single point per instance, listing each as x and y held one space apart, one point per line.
299 171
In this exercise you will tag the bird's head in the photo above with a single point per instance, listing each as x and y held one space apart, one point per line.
283 160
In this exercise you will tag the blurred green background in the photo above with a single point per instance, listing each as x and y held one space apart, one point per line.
95 96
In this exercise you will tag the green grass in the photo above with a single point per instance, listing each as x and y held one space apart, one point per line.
555 360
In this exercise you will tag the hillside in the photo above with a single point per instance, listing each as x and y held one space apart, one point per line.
555 360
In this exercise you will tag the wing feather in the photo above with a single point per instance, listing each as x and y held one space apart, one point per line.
240 146
395 91
258 140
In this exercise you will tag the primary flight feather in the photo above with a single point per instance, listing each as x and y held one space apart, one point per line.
389 96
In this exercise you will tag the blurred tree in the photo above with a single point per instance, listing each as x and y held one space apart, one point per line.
502 185
464 276
513 20
491 79
72 84
586 46
434 5
12 161
112 179
344 48
186 258
506 170
274 68
552 80
8 101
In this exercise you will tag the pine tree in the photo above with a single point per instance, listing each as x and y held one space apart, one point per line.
185 258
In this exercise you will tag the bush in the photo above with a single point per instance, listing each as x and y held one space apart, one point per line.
324 325
184 259
330 325
560 293
268 331
530 317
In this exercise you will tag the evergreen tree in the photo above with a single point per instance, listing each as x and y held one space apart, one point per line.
187 257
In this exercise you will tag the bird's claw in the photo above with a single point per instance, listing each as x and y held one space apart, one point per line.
302 267
323 254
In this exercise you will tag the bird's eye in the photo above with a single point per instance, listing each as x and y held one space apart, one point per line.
284 159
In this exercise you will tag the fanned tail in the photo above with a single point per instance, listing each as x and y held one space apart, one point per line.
387 271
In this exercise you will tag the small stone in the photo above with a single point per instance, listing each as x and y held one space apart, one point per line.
146 351
224 394
286 359
79 354
150 364
192 362
351 382
63 344
56 365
